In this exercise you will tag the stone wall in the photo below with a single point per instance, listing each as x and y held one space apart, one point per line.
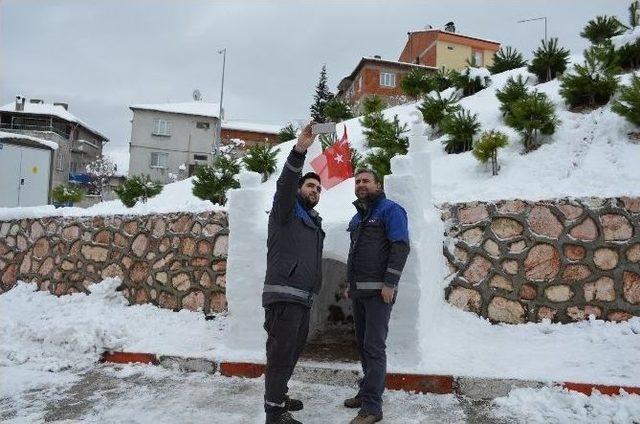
172 260
517 261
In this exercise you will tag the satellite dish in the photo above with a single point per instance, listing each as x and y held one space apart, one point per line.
197 96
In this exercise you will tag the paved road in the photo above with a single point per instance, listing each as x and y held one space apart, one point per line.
139 394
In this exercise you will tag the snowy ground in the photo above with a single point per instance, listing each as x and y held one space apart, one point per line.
147 394
56 333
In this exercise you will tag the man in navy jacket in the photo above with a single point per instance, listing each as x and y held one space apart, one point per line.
293 277
377 255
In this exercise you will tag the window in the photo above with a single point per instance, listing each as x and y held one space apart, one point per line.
387 79
360 83
73 167
159 160
449 47
478 57
200 157
60 162
202 125
161 127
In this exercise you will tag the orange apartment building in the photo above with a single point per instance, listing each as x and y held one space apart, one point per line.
431 49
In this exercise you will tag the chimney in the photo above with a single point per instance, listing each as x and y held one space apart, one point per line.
377 56
36 101
20 103
64 105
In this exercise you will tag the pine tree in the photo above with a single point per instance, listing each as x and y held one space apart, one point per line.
416 83
602 28
101 170
137 188
211 182
460 127
435 108
373 103
337 110
66 195
533 116
327 140
628 103
629 55
469 81
322 96
634 17
442 79
591 84
549 60
380 161
287 133
261 158
505 59
486 148
513 90
386 140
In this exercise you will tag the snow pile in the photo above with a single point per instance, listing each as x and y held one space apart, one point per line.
554 405
175 197
628 37
45 332
482 73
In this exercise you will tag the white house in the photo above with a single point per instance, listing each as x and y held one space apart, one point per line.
171 138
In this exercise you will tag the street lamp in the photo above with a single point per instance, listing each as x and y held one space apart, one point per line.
538 19
223 52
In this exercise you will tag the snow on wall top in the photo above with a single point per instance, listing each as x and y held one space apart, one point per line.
211 110
51 144
175 197
251 127
52 110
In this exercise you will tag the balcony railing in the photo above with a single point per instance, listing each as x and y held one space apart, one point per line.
41 127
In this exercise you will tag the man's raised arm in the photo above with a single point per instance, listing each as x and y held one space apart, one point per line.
287 185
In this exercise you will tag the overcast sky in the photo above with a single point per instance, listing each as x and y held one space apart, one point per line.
102 56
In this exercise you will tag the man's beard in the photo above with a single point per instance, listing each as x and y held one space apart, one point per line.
367 196
308 203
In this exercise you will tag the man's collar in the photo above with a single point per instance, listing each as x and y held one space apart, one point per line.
312 212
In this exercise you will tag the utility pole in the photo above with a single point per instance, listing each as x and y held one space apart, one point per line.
538 19
545 36
218 139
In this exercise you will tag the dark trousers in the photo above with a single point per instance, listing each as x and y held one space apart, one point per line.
371 316
287 326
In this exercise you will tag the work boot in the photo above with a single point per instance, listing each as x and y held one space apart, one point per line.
284 418
354 402
364 417
293 404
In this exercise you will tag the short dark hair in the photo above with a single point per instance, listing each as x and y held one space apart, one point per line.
376 178
307 176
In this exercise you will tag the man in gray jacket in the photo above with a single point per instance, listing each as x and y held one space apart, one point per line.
294 255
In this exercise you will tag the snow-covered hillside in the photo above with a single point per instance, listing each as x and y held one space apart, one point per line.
589 155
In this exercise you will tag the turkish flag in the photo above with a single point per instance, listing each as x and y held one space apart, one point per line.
334 164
